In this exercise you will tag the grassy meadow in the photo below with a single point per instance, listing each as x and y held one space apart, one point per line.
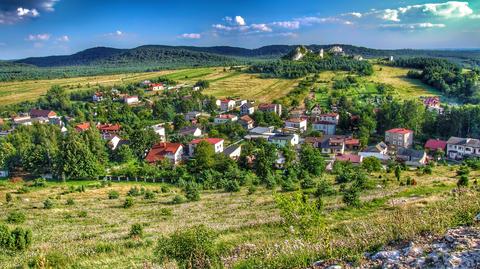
93 232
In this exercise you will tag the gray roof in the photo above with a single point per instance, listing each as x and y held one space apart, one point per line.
411 153
469 142
287 137
261 130
229 150
188 130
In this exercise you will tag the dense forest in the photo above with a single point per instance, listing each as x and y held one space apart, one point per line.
447 77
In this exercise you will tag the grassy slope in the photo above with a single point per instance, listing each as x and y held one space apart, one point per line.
100 238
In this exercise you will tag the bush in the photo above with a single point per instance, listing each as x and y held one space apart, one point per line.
40 182
324 188
251 189
463 170
178 199
128 202
8 197
288 186
149 195
136 231
135 191
113 195
19 239
48 204
307 182
232 186
351 197
16 217
192 191
191 248
23 190
51 260
463 181
80 188
82 214
70 201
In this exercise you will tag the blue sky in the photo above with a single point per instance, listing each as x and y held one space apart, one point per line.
54 27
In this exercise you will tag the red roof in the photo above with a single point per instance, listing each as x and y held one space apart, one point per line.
35 113
109 127
435 144
226 116
352 141
348 158
246 118
399 131
226 101
82 126
211 141
98 94
160 150
265 106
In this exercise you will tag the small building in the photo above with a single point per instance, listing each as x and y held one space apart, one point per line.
297 113
227 105
233 152
192 131
379 151
459 148
115 141
224 118
283 140
275 108
247 109
351 158
412 157
156 87
331 144
217 144
432 103
130 100
247 122
352 143
42 113
82 127
109 128
165 150
240 102
399 137
328 117
159 129
192 115
296 124
20 118
434 145
97 97
316 111
326 127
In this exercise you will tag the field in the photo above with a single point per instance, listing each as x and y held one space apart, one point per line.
94 231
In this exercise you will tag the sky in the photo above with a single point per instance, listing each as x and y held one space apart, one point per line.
31 28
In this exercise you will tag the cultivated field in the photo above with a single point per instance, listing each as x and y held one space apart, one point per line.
94 231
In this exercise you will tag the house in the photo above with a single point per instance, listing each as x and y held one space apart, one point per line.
351 158
297 113
412 157
30 121
297 124
20 118
433 145
97 97
145 83
192 130
3 173
283 140
247 109
329 117
432 103
156 87
379 151
233 152
399 137
240 102
275 108
227 105
224 118
159 129
130 100
336 50
352 143
260 133
109 128
459 148
192 115
316 111
82 127
358 57
217 144
331 144
115 141
41 113
247 122
326 127
165 150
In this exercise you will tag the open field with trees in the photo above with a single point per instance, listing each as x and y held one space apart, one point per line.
87 226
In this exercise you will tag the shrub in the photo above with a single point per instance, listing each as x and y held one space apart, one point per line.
149 195
324 188
166 212
297 211
351 197
23 190
178 199
48 204
113 195
136 231
8 197
80 188
70 201
191 248
232 186
134 191
164 189
82 214
288 186
251 189
128 202
307 182
40 182
19 239
463 181
463 170
16 217
51 260
192 191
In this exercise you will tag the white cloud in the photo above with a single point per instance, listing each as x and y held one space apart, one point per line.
63 38
240 21
14 11
262 27
190 36
389 15
413 26
39 37
118 33
292 25
25 12
355 14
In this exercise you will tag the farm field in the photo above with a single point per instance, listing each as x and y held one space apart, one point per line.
93 232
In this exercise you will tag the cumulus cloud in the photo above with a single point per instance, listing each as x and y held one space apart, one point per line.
292 25
63 38
12 12
262 27
39 37
190 36
239 20
413 26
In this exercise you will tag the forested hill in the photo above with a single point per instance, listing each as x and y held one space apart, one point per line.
189 56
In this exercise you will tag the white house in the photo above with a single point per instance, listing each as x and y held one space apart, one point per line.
247 109
193 131
297 124
227 105
114 141
224 118
459 148
326 127
156 87
130 100
329 117
233 152
283 140
379 151
217 144
159 129
163 150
